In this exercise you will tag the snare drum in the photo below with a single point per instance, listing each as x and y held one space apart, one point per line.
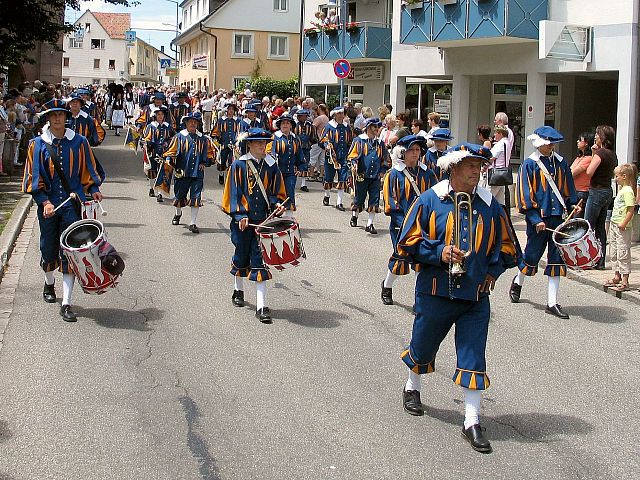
94 261
580 250
280 243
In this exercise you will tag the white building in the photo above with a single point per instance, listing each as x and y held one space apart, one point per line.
168 74
97 53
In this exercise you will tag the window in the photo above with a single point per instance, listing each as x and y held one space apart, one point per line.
97 81
280 5
279 47
87 27
238 83
97 43
112 64
242 45
96 63
184 19
191 14
139 68
75 43
65 61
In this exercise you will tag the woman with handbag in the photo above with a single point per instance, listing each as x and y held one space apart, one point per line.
499 173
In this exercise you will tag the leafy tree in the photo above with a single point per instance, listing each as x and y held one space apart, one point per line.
25 23
267 86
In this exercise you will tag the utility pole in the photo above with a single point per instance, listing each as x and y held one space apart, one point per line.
343 42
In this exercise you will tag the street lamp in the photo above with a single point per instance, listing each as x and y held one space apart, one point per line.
175 49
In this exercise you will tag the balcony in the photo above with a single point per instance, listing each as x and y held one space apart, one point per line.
364 41
471 22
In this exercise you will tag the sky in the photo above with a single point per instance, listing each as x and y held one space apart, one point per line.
149 14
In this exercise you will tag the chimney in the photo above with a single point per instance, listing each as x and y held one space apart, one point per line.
162 48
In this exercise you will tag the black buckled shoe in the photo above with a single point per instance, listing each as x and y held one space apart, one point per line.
557 311
325 201
67 314
340 207
475 437
152 193
264 315
411 402
304 188
194 228
238 298
514 291
354 221
159 198
371 229
176 220
49 293
386 295
221 179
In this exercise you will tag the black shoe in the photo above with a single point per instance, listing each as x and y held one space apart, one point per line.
176 220
557 311
264 315
304 188
325 201
371 229
238 298
67 314
411 402
386 295
49 293
194 228
152 193
474 436
159 198
221 179
514 291
354 221
413 310
340 207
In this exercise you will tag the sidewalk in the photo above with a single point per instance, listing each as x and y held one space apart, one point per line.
9 197
594 278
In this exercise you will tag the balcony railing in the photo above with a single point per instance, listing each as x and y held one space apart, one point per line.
471 21
364 40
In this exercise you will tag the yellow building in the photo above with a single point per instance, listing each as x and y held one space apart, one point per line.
144 64
224 42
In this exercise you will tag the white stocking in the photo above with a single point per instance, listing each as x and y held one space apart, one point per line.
340 195
413 382
194 215
238 283
261 294
49 278
372 216
520 278
391 278
554 286
472 399
67 287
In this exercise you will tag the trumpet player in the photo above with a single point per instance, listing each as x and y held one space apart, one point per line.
366 157
336 140
455 224
226 132
157 136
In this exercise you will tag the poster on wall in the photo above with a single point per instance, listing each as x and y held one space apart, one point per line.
200 62
442 105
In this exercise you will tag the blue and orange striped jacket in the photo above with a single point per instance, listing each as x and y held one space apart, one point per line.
157 136
369 155
87 126
189 152
340 136
226 130
288 151
177 111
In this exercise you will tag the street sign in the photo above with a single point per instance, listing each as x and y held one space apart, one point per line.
130 38
342 68
165 62
171 72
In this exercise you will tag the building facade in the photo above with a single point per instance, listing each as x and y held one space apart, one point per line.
144 64
97 53
221 45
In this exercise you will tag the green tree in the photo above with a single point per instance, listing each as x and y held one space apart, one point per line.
25 23
267 86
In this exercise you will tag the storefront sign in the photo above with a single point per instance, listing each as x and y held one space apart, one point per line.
200 62
171 72
366 72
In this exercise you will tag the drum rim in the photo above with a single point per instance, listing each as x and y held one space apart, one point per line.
292 226
556 237
76 224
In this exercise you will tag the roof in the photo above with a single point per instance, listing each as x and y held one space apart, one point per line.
115 24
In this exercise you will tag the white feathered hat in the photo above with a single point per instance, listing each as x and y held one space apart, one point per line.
465 150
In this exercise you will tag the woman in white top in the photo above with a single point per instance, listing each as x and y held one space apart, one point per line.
389 130
499 160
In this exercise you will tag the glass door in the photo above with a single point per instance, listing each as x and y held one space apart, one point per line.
514 107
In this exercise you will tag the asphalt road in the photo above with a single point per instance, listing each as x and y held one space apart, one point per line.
164 379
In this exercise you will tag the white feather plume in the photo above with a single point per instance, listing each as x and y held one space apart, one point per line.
451 158
241 138
537 141
397 154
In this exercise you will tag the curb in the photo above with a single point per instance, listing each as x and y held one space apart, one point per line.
592 283
12 230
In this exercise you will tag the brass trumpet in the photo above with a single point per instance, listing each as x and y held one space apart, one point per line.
462 202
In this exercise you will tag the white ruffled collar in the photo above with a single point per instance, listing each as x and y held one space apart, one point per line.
443 189
268 159
48 137
185 133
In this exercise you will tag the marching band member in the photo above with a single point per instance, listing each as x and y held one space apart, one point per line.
254 187
89 107
189 153
403 183
287 150
251 120
440 138
366 157
144 118
306 133
157 136
59 162
179 109
82 123
444 298
226 131
544 191
336 141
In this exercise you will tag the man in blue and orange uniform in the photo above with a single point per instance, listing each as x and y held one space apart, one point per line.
82 123
307 135
254 188
179 108
157 136
189 153
483 244
89 105
336 141
287 150
544 192
76 162
366 157
157 101
403 183
226 132
441 138
251 120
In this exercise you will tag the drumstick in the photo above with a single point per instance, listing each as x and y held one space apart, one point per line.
274 212
260 226
102 210
72 195
579 204
558 232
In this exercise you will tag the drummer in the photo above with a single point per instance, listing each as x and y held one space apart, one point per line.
544 192
49 190
253 188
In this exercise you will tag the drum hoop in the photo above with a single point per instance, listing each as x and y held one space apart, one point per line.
73 226
577 240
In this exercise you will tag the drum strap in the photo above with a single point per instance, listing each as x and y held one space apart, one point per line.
412 181
57 165
259 181
552 183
